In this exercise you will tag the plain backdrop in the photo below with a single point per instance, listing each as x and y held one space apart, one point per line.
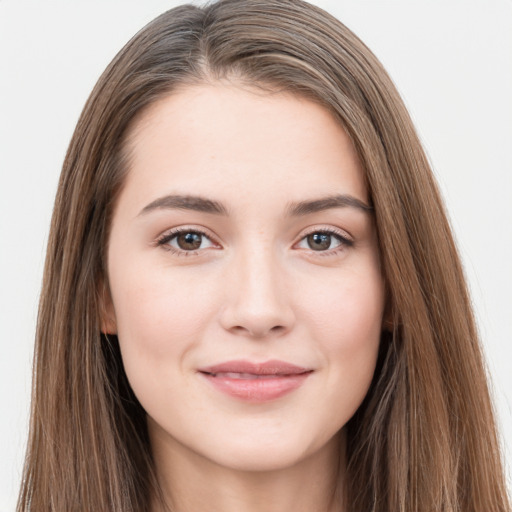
451 61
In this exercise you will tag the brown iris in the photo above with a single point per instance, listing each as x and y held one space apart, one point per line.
189 241
319 241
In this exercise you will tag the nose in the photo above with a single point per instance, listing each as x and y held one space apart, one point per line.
257 301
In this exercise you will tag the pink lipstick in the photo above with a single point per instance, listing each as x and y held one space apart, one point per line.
256 382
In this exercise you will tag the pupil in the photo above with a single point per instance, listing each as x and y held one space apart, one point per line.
189 241
319 241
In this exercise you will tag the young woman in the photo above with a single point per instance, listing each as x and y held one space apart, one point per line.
252 299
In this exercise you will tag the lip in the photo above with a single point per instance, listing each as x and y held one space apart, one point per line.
255 382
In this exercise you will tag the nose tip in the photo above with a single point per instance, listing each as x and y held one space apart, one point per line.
252 318
257 302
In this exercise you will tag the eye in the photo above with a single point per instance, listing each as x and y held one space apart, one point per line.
186 240
323 241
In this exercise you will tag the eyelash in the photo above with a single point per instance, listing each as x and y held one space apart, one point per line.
163 240
341 237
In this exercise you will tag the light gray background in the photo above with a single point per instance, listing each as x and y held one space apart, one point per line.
451 60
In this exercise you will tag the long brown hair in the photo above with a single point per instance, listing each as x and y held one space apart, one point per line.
424 438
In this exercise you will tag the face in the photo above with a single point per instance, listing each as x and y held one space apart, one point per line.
245 283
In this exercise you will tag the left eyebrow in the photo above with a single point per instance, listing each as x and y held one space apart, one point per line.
326 203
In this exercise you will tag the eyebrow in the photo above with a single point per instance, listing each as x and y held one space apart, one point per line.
294 209
187 202
326 203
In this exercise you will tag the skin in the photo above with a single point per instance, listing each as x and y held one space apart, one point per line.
255 290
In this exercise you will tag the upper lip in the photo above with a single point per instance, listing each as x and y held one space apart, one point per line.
272 367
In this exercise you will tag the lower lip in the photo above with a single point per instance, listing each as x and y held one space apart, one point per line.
258 389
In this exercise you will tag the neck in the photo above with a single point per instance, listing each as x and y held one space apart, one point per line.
190 482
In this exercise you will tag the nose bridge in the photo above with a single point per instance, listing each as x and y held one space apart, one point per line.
257 301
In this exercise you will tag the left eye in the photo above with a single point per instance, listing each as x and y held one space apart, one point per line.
320 241
188 241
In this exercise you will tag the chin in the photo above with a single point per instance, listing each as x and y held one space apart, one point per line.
262 459
269 455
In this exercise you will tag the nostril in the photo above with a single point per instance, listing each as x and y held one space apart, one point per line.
257 332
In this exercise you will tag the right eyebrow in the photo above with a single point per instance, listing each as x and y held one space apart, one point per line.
185 202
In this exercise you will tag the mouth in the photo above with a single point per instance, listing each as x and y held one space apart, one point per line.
245 376
255 382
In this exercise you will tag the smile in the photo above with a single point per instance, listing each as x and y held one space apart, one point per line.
234 375
255 382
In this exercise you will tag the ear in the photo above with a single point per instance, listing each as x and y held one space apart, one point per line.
108 324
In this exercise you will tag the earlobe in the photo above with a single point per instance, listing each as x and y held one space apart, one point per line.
108 324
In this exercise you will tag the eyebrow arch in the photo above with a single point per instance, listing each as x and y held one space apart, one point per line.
326 203
186 202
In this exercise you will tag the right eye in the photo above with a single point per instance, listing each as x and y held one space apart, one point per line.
185 241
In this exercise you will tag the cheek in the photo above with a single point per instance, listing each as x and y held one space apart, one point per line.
160 317
347 310
160 322
346 321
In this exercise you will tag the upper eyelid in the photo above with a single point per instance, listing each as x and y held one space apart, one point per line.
342 233
171 232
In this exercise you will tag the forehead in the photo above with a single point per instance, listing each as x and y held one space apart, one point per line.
219 139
